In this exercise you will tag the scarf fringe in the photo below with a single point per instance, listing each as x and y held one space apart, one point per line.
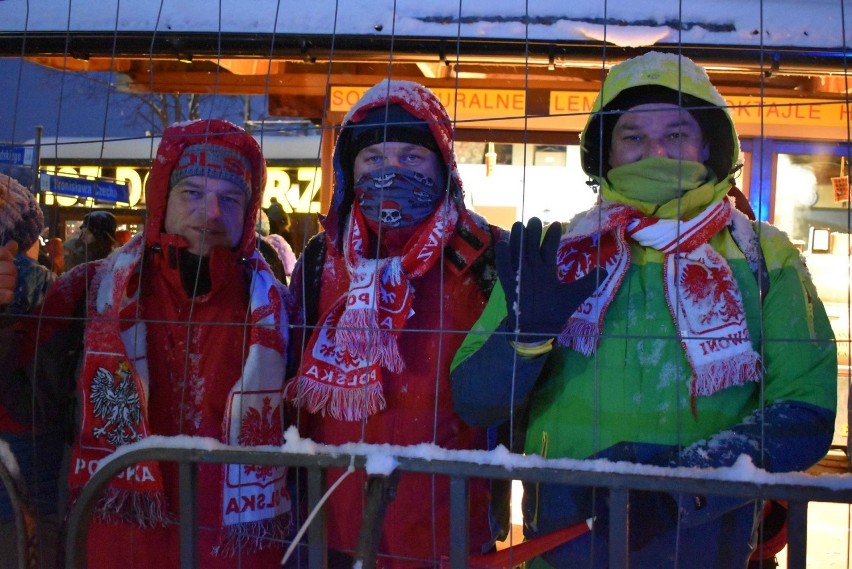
582 335
359 333
145 509
340 404
710 378
251 537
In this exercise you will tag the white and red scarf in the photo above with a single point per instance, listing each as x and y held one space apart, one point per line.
701 292
341 371
113 391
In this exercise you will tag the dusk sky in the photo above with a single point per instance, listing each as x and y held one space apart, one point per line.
32 97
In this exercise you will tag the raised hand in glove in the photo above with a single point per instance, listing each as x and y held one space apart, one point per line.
538 303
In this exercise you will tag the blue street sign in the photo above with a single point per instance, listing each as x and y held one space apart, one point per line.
98 189
16 155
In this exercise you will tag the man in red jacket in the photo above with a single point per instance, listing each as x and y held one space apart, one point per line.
400 271
185 333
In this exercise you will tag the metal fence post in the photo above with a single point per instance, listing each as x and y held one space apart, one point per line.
797 535
188 481
459 518
317 553
618 527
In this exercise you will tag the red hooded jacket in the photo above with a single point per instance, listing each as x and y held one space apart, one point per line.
194 354
447 301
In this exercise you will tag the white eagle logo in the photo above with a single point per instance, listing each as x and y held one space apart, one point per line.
117 404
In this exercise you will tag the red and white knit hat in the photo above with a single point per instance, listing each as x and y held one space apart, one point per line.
213 160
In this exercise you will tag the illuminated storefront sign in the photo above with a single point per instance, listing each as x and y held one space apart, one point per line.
786 111
571 108
461 104
296 188
744 109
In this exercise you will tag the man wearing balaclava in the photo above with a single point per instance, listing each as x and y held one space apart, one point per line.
401 270
703 341
182 331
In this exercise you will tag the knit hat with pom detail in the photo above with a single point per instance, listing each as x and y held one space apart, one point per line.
21 218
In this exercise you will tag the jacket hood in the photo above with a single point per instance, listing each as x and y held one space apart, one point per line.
212 131
665 78
418 101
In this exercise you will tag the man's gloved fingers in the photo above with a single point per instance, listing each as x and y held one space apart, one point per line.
550 243
516 238
505 267
532 242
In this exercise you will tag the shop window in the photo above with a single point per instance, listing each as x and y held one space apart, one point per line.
816 218
805 197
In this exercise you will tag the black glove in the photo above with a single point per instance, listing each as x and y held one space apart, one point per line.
527 265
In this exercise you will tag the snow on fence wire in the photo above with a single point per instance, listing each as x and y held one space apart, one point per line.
743 480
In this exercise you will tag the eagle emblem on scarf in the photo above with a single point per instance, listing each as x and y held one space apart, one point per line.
114 399
259 427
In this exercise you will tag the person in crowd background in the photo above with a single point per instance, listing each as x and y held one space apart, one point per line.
282 247
53 249
399 270
276 248
278 219
280 235
703 341
95 241
162 355
37 444
22 221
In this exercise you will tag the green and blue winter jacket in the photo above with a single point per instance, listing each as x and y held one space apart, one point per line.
630 399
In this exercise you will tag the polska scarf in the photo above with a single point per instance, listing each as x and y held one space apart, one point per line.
702 295
341 371
113 391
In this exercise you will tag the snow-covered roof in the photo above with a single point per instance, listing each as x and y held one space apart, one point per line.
814 24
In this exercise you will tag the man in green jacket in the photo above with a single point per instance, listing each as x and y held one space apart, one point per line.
703 341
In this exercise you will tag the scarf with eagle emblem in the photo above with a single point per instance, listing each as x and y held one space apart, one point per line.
113 392
702 295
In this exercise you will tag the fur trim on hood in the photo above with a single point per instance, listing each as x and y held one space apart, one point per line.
418 101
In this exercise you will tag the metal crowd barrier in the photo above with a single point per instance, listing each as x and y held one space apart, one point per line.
797 489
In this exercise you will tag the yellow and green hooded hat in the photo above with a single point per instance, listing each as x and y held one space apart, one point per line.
656 77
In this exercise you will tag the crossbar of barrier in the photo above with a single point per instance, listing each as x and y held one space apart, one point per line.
796 489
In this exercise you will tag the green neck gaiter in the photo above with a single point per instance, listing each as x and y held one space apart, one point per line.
663 187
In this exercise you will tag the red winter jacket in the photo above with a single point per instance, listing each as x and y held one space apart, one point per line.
195 355
448 299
